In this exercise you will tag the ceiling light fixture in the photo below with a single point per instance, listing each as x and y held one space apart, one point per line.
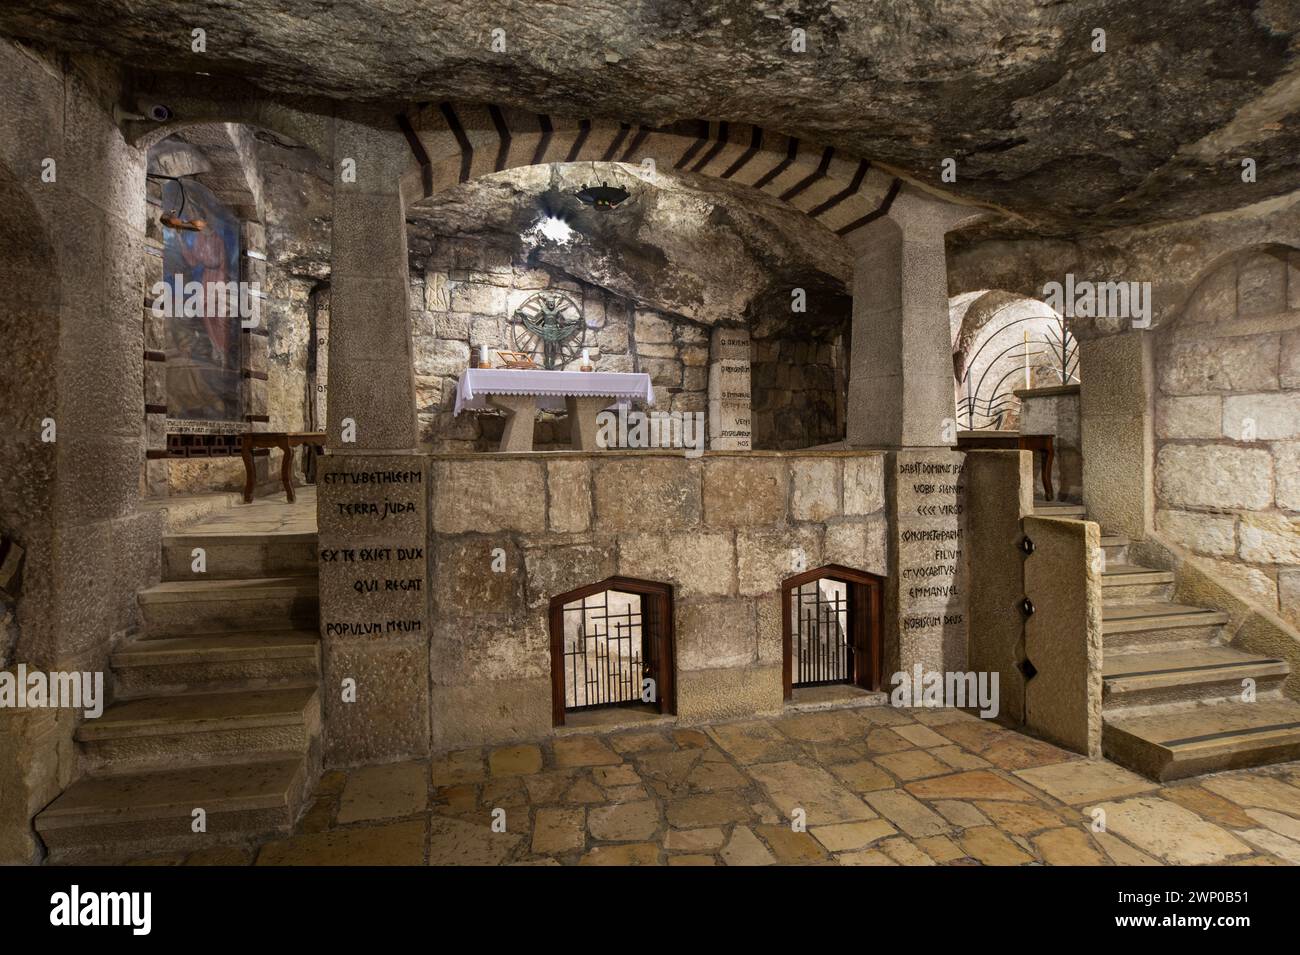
603 196
177 220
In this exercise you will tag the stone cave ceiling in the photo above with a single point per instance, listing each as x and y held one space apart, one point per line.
698 247
1066 140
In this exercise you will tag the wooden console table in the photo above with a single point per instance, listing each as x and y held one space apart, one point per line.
286 441
1038 443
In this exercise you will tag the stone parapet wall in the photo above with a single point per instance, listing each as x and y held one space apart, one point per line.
1227 426
724 530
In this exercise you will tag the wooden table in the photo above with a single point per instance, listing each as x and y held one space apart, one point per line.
286 441
1038 443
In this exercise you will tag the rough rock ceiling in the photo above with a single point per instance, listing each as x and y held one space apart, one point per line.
1070 140
702 248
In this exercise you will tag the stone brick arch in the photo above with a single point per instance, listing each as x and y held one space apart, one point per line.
986 327
1218 285
454 143
310 129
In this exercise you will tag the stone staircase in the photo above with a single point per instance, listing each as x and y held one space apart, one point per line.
215 706
1172 687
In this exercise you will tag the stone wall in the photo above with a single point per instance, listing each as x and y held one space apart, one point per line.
1227 426
463 291
725 530
800 388
1055 411
71 267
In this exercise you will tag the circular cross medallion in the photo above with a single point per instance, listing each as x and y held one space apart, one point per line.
549 323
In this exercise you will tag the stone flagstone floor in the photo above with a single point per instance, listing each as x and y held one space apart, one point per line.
879 786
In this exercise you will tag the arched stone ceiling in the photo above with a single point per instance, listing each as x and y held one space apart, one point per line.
1069 140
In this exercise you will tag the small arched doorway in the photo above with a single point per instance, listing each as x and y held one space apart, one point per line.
831 629
612 645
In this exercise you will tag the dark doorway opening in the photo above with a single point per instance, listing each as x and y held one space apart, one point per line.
831 623
612 645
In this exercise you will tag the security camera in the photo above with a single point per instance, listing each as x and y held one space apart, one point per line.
159 113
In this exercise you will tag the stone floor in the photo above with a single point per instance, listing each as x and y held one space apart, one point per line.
268 514
876 786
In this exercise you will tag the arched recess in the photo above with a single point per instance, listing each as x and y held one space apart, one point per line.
453 143
1003 342
612 644
195 407
832 629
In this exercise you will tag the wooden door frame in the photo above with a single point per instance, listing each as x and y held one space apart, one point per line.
665 650
865 591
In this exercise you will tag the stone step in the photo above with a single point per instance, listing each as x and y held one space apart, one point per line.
1185 675
185 608
1115 548
254 660
239 556
1059 509
162 731
109 819
1129 583
1159 623
187 510
1187 741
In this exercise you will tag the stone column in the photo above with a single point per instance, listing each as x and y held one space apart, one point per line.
730 419
901 398
373 487
372 380
900 376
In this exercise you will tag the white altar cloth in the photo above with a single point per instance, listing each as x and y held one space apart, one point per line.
550 387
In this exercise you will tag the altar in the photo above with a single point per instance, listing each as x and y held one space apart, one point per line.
521 392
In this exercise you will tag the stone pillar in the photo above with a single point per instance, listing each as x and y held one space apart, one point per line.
925 594
1115 425
900 377
372 381
373 489
901 398
730 418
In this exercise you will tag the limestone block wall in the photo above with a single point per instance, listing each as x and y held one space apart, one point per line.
1227 426
800 388
724 529
463 292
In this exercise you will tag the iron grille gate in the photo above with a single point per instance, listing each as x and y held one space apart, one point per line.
606 655
822 645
